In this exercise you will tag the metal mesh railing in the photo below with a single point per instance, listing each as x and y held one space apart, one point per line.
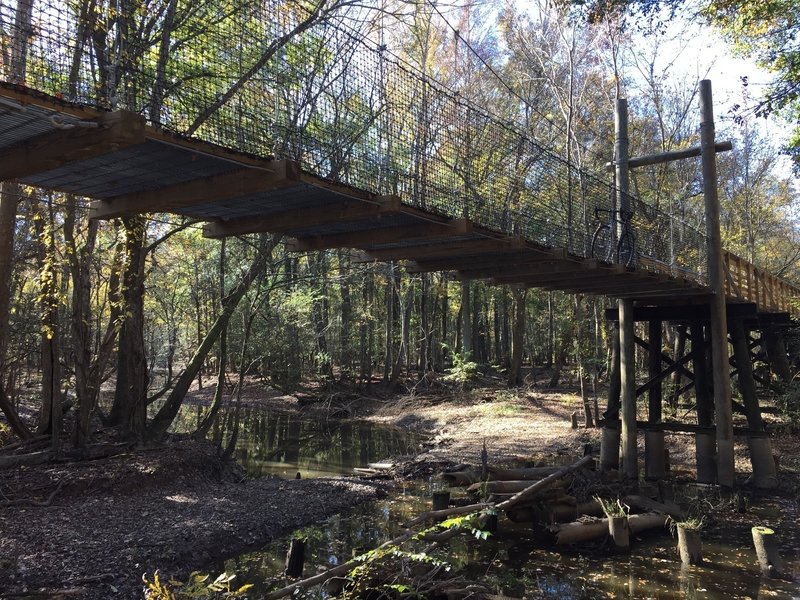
251 76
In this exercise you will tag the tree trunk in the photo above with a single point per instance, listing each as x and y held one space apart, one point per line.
79 268
467 349
129 410
346 317
216 403
518 340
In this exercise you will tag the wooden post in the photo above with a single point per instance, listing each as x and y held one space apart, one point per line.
441 500
769 558
705 406
654 367
612 411
609 446
619 530
630 460
747 385
716 280
654 440
689 546
295 558
680 348
776 354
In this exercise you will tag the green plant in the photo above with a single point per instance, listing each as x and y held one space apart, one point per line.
197 587
691 523
788 403
463 370
613 508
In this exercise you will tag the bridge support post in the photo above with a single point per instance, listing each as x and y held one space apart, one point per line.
654 465
719 331
630 459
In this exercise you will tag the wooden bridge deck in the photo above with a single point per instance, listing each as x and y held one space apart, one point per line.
128 167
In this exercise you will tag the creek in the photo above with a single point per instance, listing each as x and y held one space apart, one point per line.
512 562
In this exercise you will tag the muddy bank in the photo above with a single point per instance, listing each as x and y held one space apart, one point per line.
92 529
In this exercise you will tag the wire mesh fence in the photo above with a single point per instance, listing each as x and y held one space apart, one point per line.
274 78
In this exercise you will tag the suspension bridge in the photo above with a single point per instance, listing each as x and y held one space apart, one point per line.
358 152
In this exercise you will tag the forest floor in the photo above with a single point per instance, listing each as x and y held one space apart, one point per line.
91 529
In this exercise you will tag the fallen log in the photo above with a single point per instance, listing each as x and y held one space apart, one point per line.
17 460
643 503
501 486
580 531
470 476
522 496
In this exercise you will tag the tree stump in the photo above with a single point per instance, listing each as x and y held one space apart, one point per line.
574 418
295 558
441 500
769 558
689 546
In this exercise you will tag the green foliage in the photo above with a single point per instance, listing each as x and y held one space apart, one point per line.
197 587
390 568
789 403
463 370
613 508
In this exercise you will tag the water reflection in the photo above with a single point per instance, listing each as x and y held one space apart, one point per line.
283 444
514 562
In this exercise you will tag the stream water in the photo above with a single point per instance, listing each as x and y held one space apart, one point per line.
511 562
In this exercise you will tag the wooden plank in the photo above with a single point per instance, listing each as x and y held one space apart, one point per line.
664 157
386 235
338 212
115 130
235 184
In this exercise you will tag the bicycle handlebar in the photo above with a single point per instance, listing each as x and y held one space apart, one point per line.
624 215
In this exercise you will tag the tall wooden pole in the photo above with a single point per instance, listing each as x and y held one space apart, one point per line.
630 460
716 281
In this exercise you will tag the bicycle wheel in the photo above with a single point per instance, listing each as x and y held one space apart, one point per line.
626 249
601 243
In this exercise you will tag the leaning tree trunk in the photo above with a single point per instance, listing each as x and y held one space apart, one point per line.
163 419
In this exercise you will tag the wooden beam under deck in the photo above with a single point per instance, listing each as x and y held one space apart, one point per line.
522 256
530 268
348 209
242 182
458 248
48 151
600 276
360 239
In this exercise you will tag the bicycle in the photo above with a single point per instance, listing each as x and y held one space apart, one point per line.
603 246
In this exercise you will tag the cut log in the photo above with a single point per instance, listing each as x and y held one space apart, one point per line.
573 533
